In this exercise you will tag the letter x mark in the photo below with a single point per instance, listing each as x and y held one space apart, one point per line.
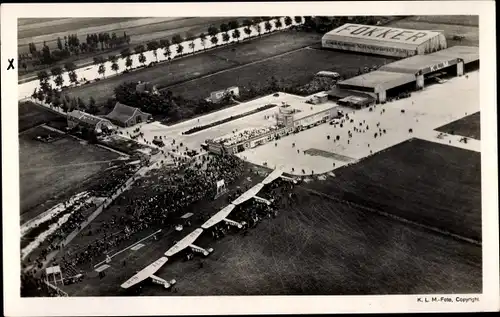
11 64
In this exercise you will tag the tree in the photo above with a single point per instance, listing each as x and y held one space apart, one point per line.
258 28
203 38
59 81
180 49
56 102
80 104
128 62
46 56
278 24
102 69
43 76
92 108
64 105
288 21
224 27
115 67
225 37
268 26
153 46
247 22
167 52
247 30
69 66
236 34
214 40
177 39
73 77
164 43
59 44
142 58
212 31
234 24
298 19
139 49
125 53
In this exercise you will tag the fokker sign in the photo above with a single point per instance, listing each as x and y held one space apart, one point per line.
384 33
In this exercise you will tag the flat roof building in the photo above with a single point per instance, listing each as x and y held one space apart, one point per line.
410 73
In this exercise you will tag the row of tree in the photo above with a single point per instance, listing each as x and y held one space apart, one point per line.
71 45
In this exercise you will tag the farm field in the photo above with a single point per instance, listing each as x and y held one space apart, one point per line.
140 30
31 115
429 183
449 25
292 69
469 126
187 68
50 172
313 247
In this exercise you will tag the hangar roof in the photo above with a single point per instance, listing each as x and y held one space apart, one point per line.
380 78
424 63
467 53
357 41
384 34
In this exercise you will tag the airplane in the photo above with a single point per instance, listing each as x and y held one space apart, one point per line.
275 175
251 193
149 272
222 216
186 242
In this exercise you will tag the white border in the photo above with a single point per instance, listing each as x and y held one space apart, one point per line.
15 306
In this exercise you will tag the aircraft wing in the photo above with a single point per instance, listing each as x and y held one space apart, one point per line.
184 243
272 177
248 194
218 217
145 273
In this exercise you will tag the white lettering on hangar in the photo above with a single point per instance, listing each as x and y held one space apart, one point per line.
383 33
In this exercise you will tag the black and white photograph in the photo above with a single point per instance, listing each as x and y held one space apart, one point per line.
167 152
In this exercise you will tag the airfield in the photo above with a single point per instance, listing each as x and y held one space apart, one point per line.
399 213
314 152
411 189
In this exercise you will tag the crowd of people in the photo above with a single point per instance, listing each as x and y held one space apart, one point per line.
244 135
156 208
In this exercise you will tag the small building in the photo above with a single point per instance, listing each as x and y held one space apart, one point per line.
146 87
126 116
77 118
217 96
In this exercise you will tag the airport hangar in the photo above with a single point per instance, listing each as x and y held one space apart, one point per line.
407 74
385 41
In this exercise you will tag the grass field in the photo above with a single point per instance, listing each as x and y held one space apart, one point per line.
31 115
469 126
450 25
313 247
293 69
50 172
429 183
139 29
177 71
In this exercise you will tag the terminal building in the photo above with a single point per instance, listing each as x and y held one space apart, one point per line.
408 74
290 118
385 41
